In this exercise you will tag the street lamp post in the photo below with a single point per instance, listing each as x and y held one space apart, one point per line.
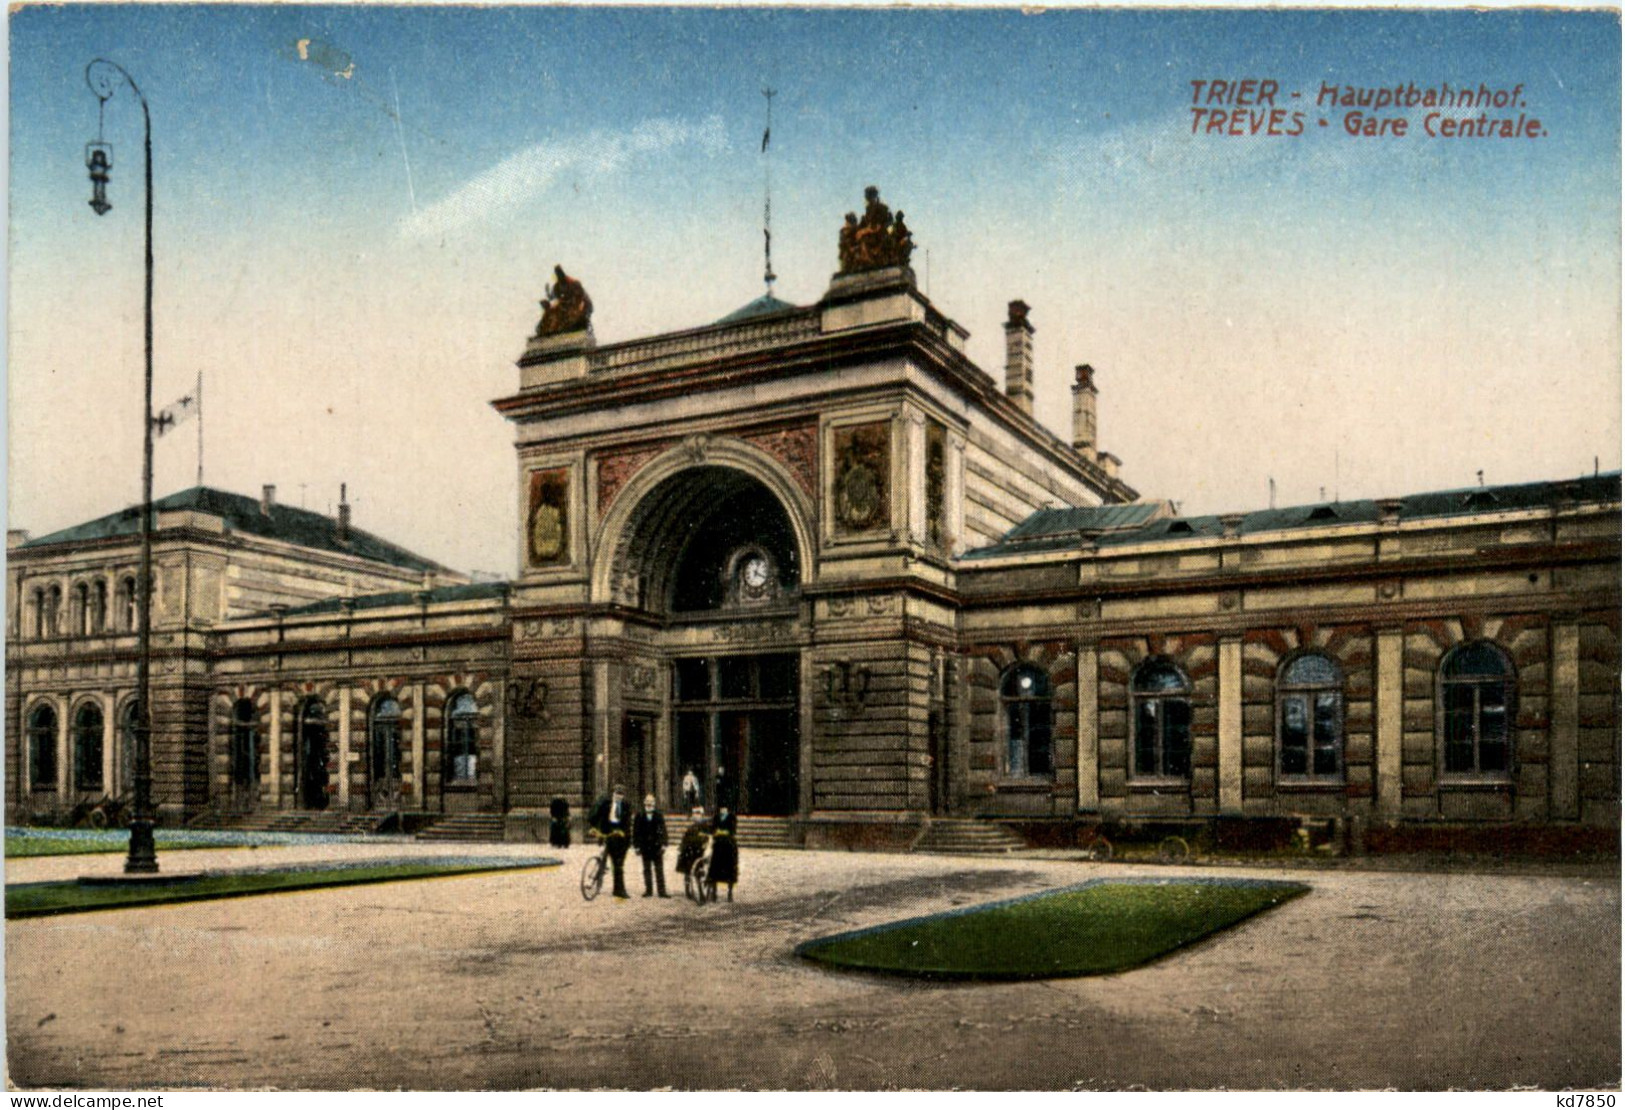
103 77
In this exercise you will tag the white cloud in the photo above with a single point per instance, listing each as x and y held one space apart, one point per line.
525 175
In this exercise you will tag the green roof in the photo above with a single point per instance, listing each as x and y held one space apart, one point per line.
1112 525
471 591
243 515
767 305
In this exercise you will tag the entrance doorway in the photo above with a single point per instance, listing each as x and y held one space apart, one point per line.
737 727
313 755
637 756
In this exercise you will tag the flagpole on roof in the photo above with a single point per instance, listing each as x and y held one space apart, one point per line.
200 428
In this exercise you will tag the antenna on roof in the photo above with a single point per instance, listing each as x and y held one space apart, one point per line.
767 195
1272 493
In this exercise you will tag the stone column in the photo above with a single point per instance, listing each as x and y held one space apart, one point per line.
109 744
1230 725
809 723
275 742
420 775
344 747
1390 720
63 750
1088 727
953 494
914 456
499 748
1564 772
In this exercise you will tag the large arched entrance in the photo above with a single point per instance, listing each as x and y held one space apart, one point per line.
714 552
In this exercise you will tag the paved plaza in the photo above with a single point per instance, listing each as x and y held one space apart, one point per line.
1376 979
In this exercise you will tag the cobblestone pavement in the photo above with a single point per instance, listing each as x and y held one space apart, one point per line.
1375 979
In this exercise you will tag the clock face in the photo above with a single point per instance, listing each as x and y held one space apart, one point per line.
754 572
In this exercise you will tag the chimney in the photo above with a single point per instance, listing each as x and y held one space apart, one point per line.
344 513
267 499
1018 357
1083 412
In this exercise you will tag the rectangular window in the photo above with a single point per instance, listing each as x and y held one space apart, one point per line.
733 676
693 677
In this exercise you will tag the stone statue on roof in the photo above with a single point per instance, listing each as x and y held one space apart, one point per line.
565 306
876 241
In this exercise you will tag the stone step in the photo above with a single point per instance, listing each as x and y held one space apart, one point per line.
466 827
968 836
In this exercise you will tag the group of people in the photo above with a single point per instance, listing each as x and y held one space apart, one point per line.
644 831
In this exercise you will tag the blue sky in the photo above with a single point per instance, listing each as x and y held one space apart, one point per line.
1370 315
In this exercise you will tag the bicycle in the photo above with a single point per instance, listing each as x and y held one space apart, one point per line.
1173 849
592 874
1097 849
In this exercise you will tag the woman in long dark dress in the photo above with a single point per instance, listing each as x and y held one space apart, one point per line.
724 851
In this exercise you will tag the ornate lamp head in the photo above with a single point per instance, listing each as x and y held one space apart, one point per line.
99 160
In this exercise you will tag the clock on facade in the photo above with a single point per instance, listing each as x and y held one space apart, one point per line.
754 576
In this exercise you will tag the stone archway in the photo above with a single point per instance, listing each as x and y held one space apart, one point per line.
638 548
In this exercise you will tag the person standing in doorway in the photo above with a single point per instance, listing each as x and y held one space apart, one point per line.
612 817
691 789
724 852
649 838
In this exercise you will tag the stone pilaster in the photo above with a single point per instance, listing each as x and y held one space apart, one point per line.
1564 744
344 747
1230 774
420 777
1390 720
274 740
1088 728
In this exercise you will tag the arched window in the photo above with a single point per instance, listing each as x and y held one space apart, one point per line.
81 609
1162 721
1476 692
42 748
98 607
384 734
1025 697
87 747
1309 707
462 740
39 613
245 756
53 609
126 604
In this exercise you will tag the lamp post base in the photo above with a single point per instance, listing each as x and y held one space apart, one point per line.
143 858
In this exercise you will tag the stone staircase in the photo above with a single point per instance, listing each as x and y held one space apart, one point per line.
466 827
967 836
751 832
328 822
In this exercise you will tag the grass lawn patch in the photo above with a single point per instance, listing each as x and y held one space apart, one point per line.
1095 928
25 847
74 896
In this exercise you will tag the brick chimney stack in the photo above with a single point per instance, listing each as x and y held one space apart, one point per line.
344 513
1018 357
267 499
1083 412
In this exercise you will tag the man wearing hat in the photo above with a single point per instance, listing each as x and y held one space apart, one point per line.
649 838
612 817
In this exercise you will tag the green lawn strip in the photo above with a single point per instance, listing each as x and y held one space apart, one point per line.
1095 928
44 899
31 846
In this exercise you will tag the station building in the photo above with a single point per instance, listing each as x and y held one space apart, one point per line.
818 558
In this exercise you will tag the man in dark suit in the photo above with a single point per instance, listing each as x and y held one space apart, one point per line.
612 817
649 838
